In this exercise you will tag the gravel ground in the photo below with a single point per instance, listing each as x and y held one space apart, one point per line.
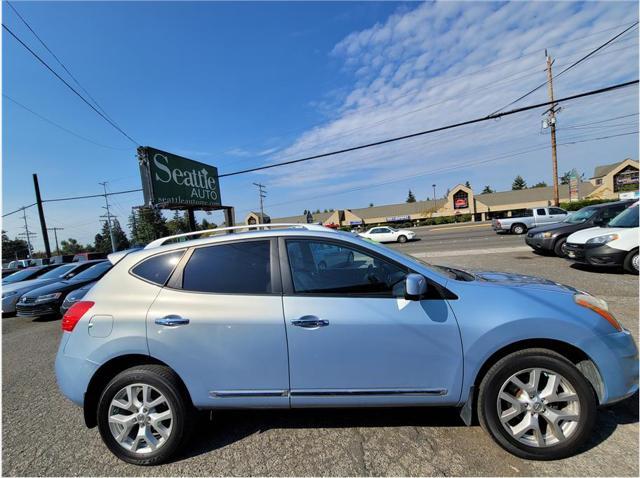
44 434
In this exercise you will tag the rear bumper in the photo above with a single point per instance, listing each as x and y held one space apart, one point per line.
597 256
73 374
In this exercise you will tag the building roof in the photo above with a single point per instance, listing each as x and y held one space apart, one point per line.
605 169
317 217
402 209
257 214
504 198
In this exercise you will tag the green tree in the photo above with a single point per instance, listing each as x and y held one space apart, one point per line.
178 224
566 177
147 224
207 225
518 183
540 184
71 246
487 190
13 249
411 197
102 242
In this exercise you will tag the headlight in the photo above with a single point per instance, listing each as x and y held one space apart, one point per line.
48 297
543 235
603 239
599 306
9 294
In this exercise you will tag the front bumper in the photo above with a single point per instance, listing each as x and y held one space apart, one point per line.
9 304
38 310
538 243
602 255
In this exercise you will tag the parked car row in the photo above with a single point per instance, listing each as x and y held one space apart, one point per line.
41 290
598 235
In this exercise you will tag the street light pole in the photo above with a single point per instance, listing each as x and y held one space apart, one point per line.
434 191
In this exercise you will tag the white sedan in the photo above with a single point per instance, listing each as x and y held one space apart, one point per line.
388 234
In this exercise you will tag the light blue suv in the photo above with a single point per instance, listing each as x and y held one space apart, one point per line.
251 319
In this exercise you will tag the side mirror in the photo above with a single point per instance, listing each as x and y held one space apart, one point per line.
415 287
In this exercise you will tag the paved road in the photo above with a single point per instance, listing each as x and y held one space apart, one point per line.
43 434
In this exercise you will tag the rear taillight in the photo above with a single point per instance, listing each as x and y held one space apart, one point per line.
74 314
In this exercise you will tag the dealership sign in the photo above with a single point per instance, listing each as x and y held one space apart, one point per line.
169 180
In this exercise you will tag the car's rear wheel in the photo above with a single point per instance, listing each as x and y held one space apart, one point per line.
537 405
402 239
518 229
631 262
558 248
143 415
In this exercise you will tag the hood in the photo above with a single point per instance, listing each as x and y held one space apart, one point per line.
60 286
519 280
581 237
27 284
560 227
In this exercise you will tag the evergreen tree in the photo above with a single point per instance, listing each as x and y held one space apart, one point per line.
566 177
13 248
487 190
207 225
518 183
411 197
71 246
102 241
540 184
147 224
178 224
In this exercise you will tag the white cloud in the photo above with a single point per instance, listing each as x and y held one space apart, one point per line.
445 62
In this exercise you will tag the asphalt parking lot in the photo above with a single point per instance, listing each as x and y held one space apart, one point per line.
44 434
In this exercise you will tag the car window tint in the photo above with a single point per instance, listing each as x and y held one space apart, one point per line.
613 211
58 272
94 272
328 268
238 268
541 212
157 269
556 210
376 230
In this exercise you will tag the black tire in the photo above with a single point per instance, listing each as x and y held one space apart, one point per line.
557 247
402 239
165 381
631 262
518 229
549 360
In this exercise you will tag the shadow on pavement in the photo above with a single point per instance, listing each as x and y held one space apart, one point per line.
230 426
597 270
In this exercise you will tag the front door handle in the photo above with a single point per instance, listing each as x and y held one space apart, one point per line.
172 321
310 322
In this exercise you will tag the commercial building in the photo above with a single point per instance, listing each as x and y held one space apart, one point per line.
608 182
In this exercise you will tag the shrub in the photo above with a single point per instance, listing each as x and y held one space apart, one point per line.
575 205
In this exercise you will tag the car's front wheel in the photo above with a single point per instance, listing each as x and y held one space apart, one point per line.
537 405
402 239
558 248
632 262
143 415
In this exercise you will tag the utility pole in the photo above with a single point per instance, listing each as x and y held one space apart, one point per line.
26 232
434 191
55 234
109 216
551 119
263 194
43 223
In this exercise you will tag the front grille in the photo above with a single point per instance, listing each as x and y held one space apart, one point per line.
36 310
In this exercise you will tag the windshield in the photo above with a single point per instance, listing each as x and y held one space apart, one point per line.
627 218
580 216
93 272
18 276
58 272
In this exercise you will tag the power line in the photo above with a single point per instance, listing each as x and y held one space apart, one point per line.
93 195
46 65
435 130
572 65
58 60
18 210
60 126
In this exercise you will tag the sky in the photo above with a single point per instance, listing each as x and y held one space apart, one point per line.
241 85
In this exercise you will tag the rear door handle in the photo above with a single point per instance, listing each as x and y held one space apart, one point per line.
310 322
172 321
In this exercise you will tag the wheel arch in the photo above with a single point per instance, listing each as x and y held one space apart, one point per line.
110 369
518 224
572 353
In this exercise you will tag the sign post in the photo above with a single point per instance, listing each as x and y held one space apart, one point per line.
170 181
574 186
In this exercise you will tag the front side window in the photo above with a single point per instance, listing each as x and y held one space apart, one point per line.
157 269
237 268
329 268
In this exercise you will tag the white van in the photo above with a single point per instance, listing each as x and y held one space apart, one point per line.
613 245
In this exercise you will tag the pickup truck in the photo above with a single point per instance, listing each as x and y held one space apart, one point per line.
531 218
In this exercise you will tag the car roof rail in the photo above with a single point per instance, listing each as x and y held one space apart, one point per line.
187 236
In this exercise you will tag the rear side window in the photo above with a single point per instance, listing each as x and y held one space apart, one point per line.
613 211
541 212
556 210
157 269
238 268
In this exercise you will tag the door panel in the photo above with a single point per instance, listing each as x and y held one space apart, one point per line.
233 351
383 350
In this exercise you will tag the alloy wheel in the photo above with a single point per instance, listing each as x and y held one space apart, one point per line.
140 418
635 262
538 407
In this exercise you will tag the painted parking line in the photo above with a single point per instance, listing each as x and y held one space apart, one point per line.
471 252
